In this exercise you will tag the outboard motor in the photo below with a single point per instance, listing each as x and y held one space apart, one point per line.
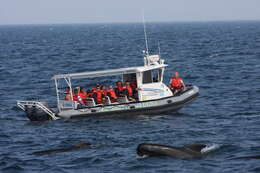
36 114
37 111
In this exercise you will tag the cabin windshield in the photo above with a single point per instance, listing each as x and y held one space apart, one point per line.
129 77
152 76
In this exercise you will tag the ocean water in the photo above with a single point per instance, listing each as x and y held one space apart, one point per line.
221 58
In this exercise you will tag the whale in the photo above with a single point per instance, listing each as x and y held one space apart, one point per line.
60 150
186 152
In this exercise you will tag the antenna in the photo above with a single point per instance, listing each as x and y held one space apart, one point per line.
145 36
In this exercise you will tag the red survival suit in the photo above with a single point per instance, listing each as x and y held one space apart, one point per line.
177 83
98 96
129 91
119 90
112 95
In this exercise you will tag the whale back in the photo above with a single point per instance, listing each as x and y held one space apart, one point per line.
81 144
60 150
164 150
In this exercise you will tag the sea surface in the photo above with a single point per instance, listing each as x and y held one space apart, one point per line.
221 58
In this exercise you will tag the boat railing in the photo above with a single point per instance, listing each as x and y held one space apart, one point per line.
107 101
40 105
90 102
123 99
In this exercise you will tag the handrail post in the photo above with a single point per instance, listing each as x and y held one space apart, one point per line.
71 94
57 92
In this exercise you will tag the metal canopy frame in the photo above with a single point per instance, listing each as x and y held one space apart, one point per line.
68 81
109 72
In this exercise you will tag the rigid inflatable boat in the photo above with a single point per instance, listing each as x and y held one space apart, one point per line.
153 96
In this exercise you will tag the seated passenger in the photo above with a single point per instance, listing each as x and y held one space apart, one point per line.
98 96
97 86
68 94
119 89
176 83
103 89
75 94
128 91
82 95
133 84
89 93
111 94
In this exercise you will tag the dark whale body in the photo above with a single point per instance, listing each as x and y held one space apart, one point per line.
73 147
186 152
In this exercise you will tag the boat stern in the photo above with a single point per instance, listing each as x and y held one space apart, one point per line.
37 111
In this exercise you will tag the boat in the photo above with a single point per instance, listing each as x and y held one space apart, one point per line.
153 96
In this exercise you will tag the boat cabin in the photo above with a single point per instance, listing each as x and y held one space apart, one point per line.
149 80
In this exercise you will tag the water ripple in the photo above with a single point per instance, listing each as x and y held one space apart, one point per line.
221 58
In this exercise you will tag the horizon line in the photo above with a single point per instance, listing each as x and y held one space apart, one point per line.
137 22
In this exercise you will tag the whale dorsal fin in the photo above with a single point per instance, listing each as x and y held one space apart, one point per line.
195 147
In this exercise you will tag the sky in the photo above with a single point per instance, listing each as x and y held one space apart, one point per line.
111 11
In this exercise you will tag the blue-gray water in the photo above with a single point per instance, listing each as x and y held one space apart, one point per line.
221 58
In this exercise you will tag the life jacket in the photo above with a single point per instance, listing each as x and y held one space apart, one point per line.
129 91
176 83
83 96
75 97
120 88
90 94
104 92
111 93
98 96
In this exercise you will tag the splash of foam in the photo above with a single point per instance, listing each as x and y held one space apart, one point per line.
210 148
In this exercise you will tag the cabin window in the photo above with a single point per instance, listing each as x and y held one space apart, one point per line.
152 76
147 77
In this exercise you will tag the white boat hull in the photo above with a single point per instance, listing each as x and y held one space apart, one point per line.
35 112
157 106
